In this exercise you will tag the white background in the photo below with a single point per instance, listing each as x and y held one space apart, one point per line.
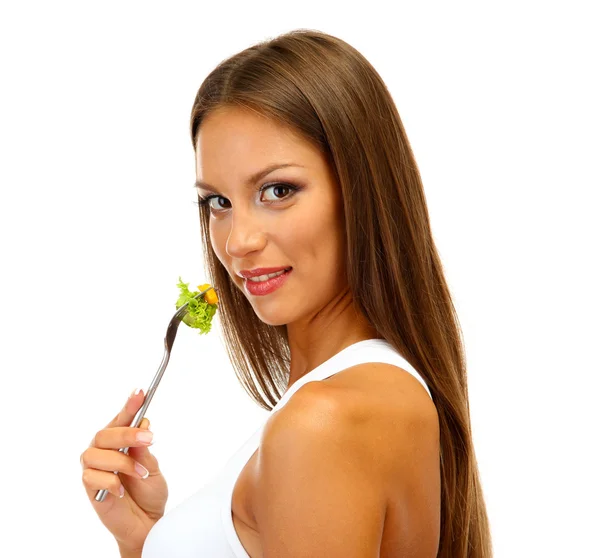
97 221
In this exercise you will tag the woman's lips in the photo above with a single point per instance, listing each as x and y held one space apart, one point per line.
262 288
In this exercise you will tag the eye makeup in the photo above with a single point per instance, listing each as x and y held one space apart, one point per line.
292 188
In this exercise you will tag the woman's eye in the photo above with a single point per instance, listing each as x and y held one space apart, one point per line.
206 201
211 198
280 190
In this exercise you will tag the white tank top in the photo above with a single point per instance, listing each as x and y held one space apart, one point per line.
202 525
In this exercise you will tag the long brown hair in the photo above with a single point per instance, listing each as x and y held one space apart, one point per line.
328 92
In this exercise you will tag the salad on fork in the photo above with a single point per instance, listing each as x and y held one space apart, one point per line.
200 311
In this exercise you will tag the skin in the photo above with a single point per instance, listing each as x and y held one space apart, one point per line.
304 230
336 473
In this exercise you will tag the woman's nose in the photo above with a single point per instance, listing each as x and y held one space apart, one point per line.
246 235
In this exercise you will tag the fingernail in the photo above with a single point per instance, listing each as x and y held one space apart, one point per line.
135 392
145 437
141 470
122 491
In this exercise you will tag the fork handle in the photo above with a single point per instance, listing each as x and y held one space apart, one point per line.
137 419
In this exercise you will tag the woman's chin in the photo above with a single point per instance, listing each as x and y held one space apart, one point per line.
272 315
271 320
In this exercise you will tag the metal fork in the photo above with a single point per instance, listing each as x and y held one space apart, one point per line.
169 340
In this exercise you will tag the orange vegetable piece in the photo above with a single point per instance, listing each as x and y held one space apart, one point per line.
211 296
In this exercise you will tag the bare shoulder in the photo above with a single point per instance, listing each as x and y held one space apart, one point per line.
343 457
315 469
316 411
399 416
385 391
379 407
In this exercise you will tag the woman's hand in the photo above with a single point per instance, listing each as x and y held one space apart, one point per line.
129 518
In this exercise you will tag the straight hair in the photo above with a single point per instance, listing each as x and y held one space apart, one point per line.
325 90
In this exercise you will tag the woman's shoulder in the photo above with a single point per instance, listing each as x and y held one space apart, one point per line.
369 429
380 389
365 400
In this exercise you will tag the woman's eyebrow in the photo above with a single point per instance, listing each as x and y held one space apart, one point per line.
252 179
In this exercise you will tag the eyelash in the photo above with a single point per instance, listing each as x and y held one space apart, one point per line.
204 201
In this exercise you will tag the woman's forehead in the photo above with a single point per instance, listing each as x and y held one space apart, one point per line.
242 143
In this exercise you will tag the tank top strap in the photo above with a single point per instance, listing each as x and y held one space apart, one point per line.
368 350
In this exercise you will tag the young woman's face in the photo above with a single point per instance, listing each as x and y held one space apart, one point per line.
289 217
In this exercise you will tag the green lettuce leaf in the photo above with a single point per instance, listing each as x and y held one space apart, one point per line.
199 312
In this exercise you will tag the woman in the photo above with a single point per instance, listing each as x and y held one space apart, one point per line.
304 170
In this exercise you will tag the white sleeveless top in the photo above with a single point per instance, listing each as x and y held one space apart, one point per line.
202 525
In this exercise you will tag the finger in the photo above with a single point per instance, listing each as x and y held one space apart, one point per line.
107 460
131 407
122 437
95 480
146 459
143 455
